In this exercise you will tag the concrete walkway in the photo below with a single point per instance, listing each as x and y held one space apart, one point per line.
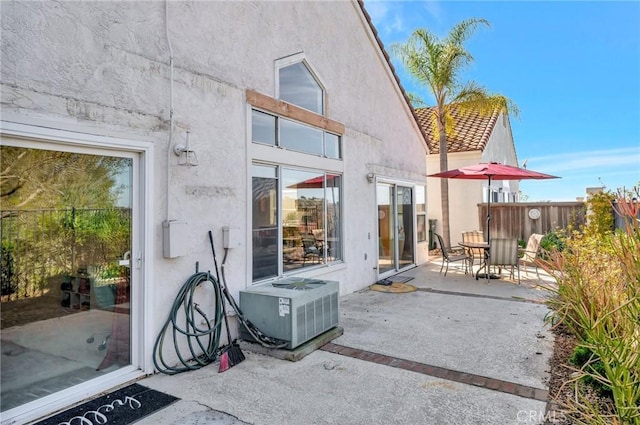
456 351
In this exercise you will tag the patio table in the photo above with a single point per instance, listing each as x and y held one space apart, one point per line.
486 261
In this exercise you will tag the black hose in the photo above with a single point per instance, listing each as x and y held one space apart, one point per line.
206 339
264 340
257 334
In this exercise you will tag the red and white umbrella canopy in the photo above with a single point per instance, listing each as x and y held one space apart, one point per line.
492 171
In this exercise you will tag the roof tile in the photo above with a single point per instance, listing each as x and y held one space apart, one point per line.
471 130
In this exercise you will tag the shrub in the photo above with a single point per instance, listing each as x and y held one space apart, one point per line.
600 217
585 359
598 298
553 241
7 269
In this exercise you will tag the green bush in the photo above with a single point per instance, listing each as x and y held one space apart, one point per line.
585 359
600 215
7 269
597 297
554 241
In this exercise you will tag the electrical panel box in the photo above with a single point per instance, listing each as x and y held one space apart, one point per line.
174 239
231 237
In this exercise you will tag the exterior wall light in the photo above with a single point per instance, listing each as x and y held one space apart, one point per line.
370 177
186 156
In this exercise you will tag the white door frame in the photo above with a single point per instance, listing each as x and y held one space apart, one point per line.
30 135
396 269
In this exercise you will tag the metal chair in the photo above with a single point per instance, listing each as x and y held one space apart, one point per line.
529 255
450 255
311 249
473 254
504 253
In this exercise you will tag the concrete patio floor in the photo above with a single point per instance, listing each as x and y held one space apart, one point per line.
456 351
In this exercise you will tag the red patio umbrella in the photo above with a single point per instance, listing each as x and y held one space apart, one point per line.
317 182
491 171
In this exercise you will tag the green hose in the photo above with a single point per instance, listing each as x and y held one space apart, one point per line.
206 339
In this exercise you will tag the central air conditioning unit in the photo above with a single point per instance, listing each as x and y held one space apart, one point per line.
292 309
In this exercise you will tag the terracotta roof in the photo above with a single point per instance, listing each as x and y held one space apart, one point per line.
395 75
471 130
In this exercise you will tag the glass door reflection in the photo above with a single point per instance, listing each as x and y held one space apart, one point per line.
66 270
386 228
395 227
404 201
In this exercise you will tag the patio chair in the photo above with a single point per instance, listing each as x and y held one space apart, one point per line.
450 255
473 254
504 253
311 249
529 255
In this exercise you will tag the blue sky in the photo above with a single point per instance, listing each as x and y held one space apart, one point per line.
573 69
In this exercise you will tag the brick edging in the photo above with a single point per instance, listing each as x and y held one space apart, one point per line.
491 297
439 372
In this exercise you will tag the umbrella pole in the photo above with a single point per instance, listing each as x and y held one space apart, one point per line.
489 211
489 230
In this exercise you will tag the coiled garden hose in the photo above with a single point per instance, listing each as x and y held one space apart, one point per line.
207 338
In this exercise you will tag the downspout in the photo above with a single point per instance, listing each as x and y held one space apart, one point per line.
171 122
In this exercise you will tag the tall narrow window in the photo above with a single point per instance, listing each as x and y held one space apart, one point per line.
265 222
421 213
332 241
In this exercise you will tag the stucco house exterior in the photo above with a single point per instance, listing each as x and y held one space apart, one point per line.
268 123
476 138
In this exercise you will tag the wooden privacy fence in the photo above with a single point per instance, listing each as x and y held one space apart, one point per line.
512 220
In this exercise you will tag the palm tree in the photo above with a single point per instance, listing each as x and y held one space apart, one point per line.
437 64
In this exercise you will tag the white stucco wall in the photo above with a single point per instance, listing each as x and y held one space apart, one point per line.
465 195
103 68
501 148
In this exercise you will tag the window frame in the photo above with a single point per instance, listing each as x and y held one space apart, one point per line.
278 132
292 60
421 213
280 170
266 154
71 139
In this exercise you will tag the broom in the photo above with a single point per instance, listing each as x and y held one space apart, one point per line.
230 354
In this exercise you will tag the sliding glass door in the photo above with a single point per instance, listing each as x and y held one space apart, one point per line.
395 227
66 233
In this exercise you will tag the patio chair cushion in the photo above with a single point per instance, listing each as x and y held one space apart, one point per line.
450 255
504 253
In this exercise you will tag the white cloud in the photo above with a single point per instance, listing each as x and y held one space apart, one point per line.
387 16
612 168
377 11
433 8
610 159
398 23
